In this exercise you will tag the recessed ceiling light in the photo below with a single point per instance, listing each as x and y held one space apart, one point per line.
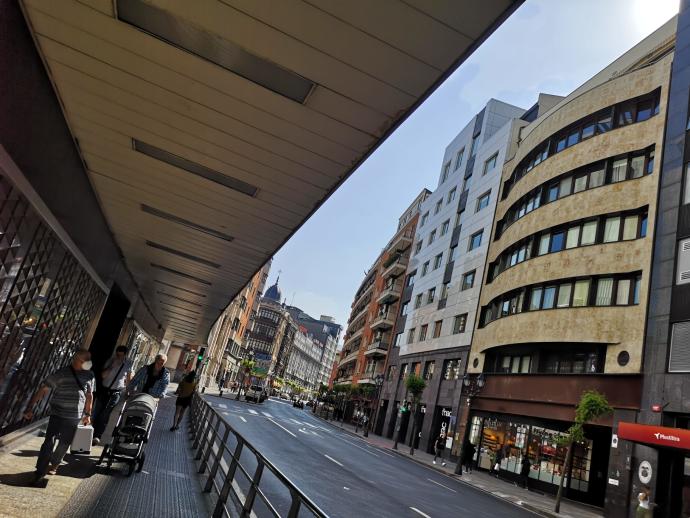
179 253
192 167
181 274
176 219
215 49
179 298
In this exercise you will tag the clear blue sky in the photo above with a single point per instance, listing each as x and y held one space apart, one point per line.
549 46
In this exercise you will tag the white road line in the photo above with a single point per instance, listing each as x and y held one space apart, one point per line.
295 421
243 419
281 426
266 414
333 460
357 446
225 413
420 512
439 484
254 412
309 424
222 405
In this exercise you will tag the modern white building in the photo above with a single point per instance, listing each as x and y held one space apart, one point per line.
446 267
304 361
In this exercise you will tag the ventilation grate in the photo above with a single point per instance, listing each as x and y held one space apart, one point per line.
679 360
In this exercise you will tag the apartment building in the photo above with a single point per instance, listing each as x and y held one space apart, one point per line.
444 275
304 361
565 290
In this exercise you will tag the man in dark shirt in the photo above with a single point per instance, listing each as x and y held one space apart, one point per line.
71 404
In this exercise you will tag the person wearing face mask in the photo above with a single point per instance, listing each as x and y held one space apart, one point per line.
115 376
70 405
151 379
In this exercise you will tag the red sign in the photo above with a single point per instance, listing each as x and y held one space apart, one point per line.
658 435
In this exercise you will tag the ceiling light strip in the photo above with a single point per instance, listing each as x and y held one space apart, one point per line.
181 274
179 307
184 222
179 253
192 167
179 298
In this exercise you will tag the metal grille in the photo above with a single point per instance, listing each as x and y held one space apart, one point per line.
679 360
47 302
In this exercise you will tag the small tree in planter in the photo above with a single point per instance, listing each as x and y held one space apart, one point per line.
415 386
591 407
247 367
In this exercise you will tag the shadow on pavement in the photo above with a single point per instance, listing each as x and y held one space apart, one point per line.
25 479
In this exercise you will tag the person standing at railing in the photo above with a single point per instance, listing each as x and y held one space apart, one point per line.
185 391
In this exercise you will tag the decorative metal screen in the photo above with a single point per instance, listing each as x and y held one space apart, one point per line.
47 302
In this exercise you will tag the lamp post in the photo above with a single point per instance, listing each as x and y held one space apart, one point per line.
378 380
471 386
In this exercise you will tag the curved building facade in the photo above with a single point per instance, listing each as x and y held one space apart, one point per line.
565 291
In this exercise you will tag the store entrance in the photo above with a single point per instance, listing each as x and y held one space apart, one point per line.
381 416
673 484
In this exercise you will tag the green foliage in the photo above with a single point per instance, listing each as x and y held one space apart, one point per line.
247 365
366 390
345 388
415 385
591 407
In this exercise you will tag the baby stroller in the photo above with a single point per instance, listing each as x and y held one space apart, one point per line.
131 433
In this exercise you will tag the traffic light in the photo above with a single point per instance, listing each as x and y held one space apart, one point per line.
200 356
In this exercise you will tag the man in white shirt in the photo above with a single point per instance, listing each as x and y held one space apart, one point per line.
114 378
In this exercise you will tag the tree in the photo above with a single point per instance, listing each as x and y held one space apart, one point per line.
591 407
415 386
247 367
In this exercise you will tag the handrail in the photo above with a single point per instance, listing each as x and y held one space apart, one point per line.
209 434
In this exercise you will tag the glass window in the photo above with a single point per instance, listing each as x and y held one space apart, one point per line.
475 143
604 291
444 227
637 166
483 201
560 145
535 299
404 309
422 332
490 164
564 188
623 293
432 236
468 280
552 195
604 123
619 168
636 290
612 229
418 301
544 244
437 261
549 297
644 110
424 218
437 328
581 293
572 237
451 194
650 162
459 323
430 295
476 240
588 130
564 291
429 370
439 204
580 183
573 138
458 160
417 247
643 226
410 278
630 227
444 290
596 178
451 370
425 268
452 255
557 241
626 115
446 172
589 233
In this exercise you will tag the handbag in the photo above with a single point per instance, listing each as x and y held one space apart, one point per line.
497 467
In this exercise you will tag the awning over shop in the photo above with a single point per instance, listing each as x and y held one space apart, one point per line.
655 435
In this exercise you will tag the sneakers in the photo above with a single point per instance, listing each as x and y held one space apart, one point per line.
443 464
52 469
433 461
96 441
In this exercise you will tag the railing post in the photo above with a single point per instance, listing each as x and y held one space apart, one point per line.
200 427
295 505
251 494
203 438
209 444
216 463
227 483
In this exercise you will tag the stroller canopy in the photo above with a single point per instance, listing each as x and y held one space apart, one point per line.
143 403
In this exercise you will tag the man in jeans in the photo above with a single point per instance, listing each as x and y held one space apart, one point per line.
151 379
115 376
71 404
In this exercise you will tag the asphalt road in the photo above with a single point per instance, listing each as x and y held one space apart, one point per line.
343 474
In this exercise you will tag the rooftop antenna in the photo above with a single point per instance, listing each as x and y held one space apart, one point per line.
292 302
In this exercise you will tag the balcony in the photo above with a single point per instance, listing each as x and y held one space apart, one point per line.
349 358
391 292
343 380
401 241
357 317
351 339
396 267
364 293
377 348
383 320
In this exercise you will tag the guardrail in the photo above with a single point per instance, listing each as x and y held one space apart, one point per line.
238 473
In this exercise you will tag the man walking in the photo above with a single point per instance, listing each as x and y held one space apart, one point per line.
115 376
151 379
439 447
71 404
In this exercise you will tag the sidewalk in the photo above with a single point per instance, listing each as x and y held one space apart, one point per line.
537 502
167 486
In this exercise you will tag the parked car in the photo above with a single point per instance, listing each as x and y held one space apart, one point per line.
284 395
255 393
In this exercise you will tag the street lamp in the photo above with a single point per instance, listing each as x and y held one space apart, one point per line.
471 386
378 380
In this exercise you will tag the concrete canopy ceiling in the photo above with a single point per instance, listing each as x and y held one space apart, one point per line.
211 130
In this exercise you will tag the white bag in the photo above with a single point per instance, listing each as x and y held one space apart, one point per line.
497 467
82 439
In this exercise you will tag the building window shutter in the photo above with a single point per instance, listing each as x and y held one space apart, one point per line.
684 262
680 348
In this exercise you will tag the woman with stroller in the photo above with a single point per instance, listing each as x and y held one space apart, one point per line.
185 391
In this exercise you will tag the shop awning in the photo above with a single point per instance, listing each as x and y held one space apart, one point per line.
655 435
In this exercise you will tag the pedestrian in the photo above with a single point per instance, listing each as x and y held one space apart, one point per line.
468 456
71 404
439 446
114 378
496 459
525 467
185 391
151 379
643 503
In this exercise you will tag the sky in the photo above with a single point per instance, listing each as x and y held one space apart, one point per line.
549 46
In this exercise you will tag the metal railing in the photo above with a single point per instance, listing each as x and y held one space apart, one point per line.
244 481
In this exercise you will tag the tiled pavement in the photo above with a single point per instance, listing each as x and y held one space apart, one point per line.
534 501
168 486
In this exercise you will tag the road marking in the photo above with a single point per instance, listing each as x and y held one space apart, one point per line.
420 512
222 405
295 421
333 460
357 446
281 426
225 413
266 414
309 424
302 430
439 484
243 419
254 412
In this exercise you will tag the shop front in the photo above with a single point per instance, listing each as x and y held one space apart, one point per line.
508 438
